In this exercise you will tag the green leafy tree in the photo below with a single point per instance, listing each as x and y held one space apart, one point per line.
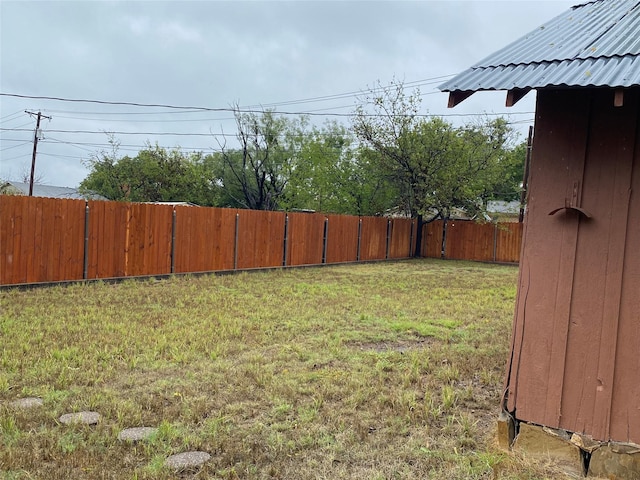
256 174
435 166
331 176
509 187
155 174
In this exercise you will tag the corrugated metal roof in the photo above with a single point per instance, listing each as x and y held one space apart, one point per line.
593 44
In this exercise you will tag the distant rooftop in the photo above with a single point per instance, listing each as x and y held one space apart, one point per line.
595 44
50 191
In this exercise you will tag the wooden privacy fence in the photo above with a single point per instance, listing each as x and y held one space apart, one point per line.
468 240
52 240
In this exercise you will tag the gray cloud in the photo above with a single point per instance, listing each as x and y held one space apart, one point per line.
217 53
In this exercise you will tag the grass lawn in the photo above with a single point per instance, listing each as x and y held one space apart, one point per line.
369 371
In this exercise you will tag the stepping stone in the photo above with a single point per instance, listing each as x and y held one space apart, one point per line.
88 418
186 460
136 434
28 402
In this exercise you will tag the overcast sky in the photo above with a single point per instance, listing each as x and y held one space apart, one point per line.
264 54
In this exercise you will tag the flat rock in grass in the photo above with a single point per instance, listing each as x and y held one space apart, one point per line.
88 418
28 402
136 434
186 460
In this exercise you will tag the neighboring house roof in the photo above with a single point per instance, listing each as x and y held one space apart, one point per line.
500 206
595 44
19 188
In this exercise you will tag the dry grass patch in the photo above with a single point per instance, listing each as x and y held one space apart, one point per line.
374 371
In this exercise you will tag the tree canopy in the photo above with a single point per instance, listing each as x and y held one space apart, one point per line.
155 174
435 166
391 160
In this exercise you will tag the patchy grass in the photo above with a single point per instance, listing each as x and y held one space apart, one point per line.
370 371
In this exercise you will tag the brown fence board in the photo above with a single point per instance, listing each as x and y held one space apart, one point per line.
70 224
305 238
42 240
467 240
342 238
432 239
205 239
402 238
10 231
260 239
39 239
107 239
508 242
373 242
149 251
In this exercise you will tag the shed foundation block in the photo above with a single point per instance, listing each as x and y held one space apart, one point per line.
544 444
615 461
578 455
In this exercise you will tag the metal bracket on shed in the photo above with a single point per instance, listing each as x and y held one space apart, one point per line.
573 203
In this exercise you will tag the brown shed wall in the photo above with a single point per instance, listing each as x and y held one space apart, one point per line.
574 358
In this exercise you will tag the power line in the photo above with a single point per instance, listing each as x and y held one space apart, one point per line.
178 107
93 132
15 146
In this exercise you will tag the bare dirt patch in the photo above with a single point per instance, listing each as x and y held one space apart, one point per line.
394 346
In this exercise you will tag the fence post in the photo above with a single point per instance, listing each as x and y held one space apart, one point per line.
324 240
443 248
173 240
85 260
235 244
495 241
389 227
411 238
359 239
286 240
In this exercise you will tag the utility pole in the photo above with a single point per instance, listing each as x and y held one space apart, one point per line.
35 148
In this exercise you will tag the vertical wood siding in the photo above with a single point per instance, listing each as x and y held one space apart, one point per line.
574 359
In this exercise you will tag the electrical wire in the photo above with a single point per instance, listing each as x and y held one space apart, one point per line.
14 146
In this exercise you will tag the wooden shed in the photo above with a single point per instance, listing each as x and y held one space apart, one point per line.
574 365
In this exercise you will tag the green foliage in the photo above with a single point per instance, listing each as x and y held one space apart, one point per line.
435 166
153 175
331 176
402 163
256 174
